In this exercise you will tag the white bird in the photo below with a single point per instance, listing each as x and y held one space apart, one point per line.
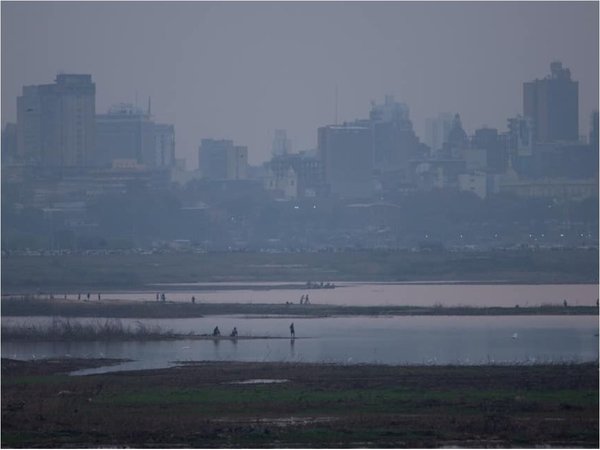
515 336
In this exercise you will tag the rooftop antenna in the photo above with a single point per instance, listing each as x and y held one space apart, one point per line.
149 105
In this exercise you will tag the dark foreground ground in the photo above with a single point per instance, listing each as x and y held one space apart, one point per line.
320 406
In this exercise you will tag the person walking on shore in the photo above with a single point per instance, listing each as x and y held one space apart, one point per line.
292 331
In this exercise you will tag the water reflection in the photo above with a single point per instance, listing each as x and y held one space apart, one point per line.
387 340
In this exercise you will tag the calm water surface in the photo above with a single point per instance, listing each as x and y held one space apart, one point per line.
387 340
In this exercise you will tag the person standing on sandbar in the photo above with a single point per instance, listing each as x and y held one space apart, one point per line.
292 331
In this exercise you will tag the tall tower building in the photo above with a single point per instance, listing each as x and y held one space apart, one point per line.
552 104
346 154
164 138
219 159
281 144
125 132
394 140
56 122
437 130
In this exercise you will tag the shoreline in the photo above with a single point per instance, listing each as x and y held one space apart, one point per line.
6 336
276 284
151 309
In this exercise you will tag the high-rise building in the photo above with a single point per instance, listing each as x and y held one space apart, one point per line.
128 133
488 141
457 142
125 132
219 159
346 153
437 130
394 139
9 143
55 122
164 145
520 136
552 104
281 144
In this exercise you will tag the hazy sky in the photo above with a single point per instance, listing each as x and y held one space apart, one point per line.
240 70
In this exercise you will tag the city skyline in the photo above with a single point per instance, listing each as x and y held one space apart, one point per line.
254 84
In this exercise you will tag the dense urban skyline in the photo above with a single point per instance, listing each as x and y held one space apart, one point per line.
241 70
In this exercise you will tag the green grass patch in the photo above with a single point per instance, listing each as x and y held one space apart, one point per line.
35 379
242 399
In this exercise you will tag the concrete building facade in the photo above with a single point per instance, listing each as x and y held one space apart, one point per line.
553 105
347 157
220 159
281 144
56 122
437 130
127 132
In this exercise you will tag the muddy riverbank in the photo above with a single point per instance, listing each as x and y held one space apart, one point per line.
219 404
29 306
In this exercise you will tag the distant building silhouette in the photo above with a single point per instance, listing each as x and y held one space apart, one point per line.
294 175
221 160
128 133
281 144
552 104
520 143
9 143
346 153
594 131
125 132
164 145
493 146
457 141
55 122
394 140
437 130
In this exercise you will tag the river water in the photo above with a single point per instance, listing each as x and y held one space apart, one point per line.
349 340
368 294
